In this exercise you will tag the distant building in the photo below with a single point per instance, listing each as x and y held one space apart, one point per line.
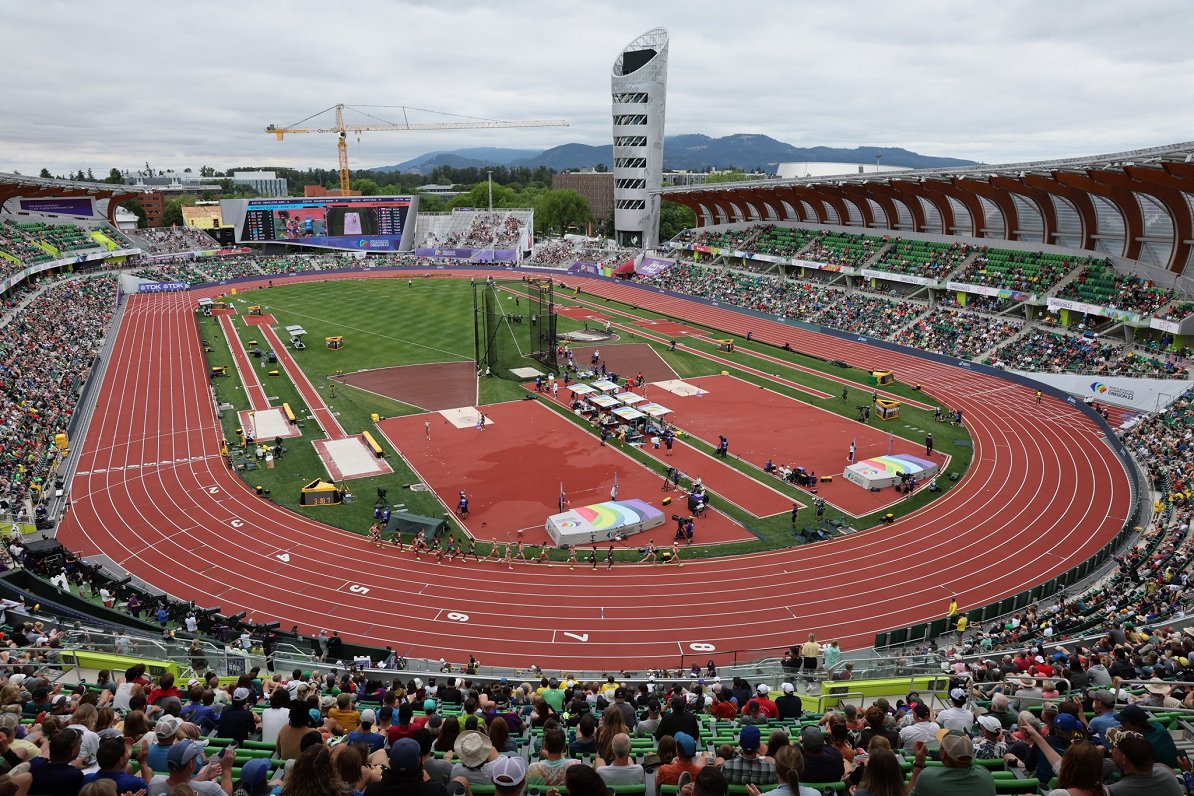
638 88
202 215
681 178
154 205
265 183
446 191
596 186
319 190
788 171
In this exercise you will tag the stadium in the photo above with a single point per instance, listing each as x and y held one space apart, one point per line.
913 439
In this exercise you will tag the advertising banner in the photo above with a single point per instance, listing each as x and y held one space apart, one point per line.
80 206
987 290
653 266
1055 303
476 255
1146 395
895 277
161 287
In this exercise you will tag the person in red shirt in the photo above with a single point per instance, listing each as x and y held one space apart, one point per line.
405 728
166 688
766 706
723 708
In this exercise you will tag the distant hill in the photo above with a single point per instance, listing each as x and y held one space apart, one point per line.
474 156
692 152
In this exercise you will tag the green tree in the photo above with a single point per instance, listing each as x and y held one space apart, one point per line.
432 203
559 210
116 178
45 174
172 214
366 186
478 197
674 217
207 171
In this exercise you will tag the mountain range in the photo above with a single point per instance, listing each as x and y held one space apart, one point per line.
691 152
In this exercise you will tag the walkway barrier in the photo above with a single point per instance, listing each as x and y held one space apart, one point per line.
926 631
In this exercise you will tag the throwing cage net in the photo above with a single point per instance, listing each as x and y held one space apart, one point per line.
514 326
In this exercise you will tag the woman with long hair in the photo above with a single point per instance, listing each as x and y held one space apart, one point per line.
789 761
1079 770
883 775
314 775
499 734
446 740
612 723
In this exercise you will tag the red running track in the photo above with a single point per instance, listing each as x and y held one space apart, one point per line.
1044 493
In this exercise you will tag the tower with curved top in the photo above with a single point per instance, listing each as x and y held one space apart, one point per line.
639 91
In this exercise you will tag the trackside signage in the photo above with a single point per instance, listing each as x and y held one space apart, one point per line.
1146 395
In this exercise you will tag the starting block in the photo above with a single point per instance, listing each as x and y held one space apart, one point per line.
219 370
274 372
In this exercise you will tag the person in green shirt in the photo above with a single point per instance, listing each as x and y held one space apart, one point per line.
956 775
553 695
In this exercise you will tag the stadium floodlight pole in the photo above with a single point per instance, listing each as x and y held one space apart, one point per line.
493 232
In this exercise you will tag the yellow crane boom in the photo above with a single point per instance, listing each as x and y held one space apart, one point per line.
343 130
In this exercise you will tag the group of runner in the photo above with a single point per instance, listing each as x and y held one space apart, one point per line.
509 552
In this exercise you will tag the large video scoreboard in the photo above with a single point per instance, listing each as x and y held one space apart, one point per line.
351 223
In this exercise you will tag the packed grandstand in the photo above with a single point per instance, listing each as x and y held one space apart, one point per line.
1023 688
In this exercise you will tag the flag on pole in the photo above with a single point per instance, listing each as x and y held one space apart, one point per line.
562 498
613 493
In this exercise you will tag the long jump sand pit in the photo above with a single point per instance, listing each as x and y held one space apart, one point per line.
438 385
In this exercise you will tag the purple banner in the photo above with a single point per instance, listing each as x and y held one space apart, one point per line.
161 287
584 268
63 207
653 266
476 255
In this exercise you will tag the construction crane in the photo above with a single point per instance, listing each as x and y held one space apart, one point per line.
342 129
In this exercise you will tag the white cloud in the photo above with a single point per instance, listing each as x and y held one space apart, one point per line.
186 84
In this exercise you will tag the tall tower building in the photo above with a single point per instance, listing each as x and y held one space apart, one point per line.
639 92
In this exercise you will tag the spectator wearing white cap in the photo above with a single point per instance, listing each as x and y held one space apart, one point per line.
236 720
788 705
509 776
957 716
766 706
165 733
990 743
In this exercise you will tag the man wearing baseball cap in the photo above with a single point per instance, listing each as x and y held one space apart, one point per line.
404 777
766 706
509 776
183 760
748 768
957 716
686 759
364 732
1135 719
236 720
789 706
957 773
1103 704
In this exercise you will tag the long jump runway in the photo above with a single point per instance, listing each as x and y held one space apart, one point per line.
152 492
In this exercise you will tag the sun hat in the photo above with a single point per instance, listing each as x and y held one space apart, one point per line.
473 748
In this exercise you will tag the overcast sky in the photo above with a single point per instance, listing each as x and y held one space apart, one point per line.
180 84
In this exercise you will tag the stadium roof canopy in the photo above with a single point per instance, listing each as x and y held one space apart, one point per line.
1138 204
14 185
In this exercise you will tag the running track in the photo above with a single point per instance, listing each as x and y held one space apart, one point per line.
151 491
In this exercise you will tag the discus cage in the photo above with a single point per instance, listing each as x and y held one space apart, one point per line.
514 326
